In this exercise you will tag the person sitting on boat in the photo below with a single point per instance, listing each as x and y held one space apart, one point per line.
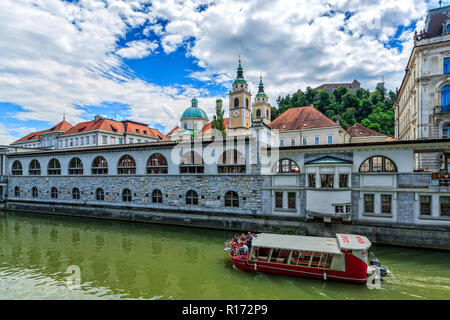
242 238
243 251
234 249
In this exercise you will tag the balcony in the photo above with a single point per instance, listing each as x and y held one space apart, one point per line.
443 178
328 217
441 109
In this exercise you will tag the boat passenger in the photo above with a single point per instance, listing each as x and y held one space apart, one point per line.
249 240
241 249
234 251
245 249
236 238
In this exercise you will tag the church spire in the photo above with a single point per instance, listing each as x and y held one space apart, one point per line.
261 92
240 71
261 85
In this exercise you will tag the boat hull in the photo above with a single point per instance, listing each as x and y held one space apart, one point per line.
356 272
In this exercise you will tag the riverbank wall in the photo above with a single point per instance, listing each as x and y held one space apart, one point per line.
405 235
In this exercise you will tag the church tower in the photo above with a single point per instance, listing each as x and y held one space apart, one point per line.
240 100
261 109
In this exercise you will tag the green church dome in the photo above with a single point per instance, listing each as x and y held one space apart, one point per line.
194 111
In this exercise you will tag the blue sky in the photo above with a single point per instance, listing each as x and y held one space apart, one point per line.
145 60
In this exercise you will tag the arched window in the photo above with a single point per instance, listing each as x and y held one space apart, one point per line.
34 192
246 103
76 195
445 98
100 166
192 197
126 195
231 199
99 194
17 192
267 114
191 162
127 165
286 166
378 164
54 193
231 161
157 196
157 164
236 103
35 168
17 168
258 114
54 168
446 131
75 166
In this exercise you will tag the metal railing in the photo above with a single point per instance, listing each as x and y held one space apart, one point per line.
441 109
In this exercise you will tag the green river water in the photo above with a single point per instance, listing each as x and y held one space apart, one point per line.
125 260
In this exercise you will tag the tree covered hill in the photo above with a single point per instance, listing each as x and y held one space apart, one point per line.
371 109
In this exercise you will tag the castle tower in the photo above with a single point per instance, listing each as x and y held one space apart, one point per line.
262 109
240 99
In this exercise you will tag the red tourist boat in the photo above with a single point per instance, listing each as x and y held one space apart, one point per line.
343 258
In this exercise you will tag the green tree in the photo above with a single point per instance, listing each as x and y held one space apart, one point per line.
323 101
371 109
219 122
339 93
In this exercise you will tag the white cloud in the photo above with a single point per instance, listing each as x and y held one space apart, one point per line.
137 49
57 55
294 43
60 55
5 137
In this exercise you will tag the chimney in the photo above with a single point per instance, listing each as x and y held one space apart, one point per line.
97 117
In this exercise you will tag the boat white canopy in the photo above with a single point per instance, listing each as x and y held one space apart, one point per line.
301 243
353 242
313 244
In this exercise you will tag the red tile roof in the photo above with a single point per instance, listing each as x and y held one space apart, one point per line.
177 128
159 134
101 124
302 118
62 126
143 129
117 127
358 130
207 128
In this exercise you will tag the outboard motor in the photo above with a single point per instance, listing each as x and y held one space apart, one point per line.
383 272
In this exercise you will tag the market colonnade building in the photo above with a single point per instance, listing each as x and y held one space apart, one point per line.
367 182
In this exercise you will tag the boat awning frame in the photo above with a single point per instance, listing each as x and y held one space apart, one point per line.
300 243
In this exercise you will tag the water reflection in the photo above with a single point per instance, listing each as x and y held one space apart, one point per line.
130 260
